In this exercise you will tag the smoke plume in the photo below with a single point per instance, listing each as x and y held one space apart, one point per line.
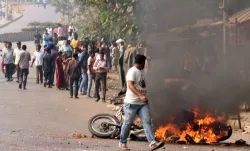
187 71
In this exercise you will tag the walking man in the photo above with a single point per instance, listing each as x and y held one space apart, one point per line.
48 62
74 73
101 69
24 67
8 58
17 58
136 103
38 59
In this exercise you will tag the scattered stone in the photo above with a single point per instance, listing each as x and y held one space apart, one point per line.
68 142
77 136
13 131
240 142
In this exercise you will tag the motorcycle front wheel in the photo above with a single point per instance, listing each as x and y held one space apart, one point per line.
103 125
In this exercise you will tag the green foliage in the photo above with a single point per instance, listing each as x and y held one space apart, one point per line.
101 18
37 24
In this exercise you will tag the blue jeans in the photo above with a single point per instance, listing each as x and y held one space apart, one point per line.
131 110
84 83
90 81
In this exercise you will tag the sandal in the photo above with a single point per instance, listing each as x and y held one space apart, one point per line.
124 147
157 145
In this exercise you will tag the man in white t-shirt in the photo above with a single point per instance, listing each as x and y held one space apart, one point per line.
50 31
38 59
136 103
17 58
60 32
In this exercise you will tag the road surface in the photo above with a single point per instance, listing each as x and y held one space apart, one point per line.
31 14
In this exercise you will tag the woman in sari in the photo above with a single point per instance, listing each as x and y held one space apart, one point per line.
60 79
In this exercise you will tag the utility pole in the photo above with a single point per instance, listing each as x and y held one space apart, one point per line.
6 9
224 27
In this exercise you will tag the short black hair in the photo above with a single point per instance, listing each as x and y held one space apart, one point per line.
24 47
140 59
60 53
9 43
75 55
39 46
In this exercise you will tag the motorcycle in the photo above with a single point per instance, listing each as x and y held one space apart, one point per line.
109 126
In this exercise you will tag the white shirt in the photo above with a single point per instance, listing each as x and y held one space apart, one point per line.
138 77
50 31
38 56
17 55
60 31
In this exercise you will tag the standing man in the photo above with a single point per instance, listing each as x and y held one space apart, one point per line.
24 67
17 58
37 38
48 62
50 31
115 56
84 64
136 103
60 32
75 43
46 38
74 73
121 68
91 72
101 69
38 59
8 58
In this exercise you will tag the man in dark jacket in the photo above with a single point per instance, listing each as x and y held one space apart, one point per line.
48 62
74 73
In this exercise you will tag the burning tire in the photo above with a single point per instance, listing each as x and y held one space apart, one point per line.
221 130
107 127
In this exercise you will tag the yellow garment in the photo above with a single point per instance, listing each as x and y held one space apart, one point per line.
75 44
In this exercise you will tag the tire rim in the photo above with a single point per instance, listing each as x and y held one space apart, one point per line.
102 128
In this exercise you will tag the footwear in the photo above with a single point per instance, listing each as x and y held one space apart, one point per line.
97 100
123 147
11 79
24 89
45 84
103 100
20 86
71 97
7 80
37 82
121 93
49 86
76 97
89 96
17 81
157 145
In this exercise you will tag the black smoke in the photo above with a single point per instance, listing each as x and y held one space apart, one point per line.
217 86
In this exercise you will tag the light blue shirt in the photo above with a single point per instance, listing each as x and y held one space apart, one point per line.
8 56
66 48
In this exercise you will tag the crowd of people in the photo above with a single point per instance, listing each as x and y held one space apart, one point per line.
75 65
62 58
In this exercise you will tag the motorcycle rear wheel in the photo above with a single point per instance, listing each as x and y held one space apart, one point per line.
103 130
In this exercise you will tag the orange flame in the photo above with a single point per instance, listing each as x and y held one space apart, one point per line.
197 134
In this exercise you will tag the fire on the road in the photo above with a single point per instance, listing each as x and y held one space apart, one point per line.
201 130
